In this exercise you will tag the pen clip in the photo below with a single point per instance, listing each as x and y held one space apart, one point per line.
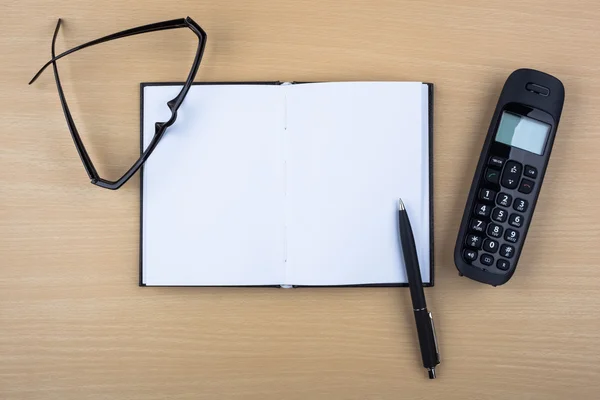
437 348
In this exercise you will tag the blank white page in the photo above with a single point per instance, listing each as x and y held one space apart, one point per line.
353 150
213 189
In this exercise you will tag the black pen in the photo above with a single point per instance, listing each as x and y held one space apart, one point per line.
425 329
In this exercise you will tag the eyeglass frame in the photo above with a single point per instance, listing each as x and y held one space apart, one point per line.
159 127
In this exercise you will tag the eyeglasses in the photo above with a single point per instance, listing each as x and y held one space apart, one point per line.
159 127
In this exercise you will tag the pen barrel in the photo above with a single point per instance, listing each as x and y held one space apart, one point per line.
413 272
427 339
423 319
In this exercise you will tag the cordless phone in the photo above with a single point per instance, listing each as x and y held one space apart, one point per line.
509 177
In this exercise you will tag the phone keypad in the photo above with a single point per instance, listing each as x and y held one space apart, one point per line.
474 241
511 174
483 210
526 186
503 265
491 246
507 251
499 216
496 161
520 205
504 199
470 255
530 171
487 259
478 225
492 175
495 230
515 220
487 194
511 236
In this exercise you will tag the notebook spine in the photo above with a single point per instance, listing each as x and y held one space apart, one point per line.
285 152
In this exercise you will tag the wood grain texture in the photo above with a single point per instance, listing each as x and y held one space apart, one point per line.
75 325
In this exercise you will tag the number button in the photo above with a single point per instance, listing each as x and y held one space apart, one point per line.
487 194
470 255
482 210
511 174
503 265
492 176
507 251
530 171
526 186
499 214
496 161
490 245
516 220
511 236
474 241
495 230
478 225
504 199
486 259
520 205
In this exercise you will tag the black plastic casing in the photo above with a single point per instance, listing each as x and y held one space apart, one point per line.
524 93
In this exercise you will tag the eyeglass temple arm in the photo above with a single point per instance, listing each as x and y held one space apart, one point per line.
158 26
85 158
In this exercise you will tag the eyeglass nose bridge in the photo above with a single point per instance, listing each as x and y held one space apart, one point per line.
161 126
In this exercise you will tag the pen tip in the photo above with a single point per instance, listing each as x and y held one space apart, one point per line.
431 372
400 204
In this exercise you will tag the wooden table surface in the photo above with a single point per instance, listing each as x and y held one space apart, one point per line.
75 325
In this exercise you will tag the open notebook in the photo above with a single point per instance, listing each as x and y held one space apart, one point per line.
285 184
